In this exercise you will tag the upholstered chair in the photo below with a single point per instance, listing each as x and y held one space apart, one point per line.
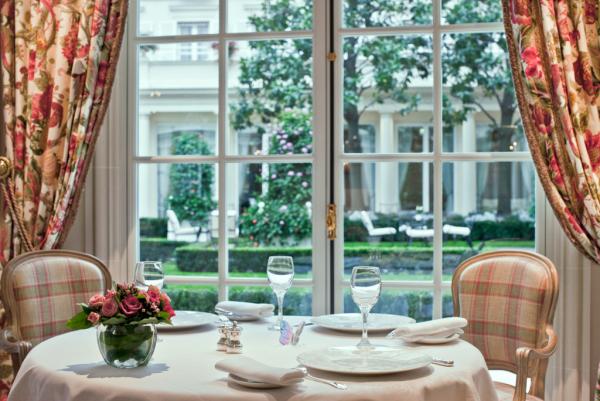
509 298
40 291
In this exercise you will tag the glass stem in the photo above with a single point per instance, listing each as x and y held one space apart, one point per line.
280 307
365 315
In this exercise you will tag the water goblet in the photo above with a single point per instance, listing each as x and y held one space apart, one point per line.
366 288
280 272
149 273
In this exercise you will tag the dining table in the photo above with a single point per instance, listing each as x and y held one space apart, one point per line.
69 367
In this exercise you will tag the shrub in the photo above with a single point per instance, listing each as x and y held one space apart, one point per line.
153 227
158 249
201 299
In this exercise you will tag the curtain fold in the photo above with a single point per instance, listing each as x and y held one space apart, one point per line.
57 65
58 61
554 48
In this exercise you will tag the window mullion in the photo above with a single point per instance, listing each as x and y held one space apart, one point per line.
437 161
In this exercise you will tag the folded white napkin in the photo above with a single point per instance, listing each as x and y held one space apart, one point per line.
251 369
247 308
434 328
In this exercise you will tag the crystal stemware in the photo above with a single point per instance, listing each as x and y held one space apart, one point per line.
280 271
366 288
149 273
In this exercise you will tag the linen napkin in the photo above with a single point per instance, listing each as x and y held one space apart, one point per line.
254 370
247 308
434 328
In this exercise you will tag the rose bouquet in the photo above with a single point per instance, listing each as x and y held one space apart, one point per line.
125 318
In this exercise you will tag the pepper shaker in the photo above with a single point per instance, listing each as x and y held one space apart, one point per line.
223 329
234 346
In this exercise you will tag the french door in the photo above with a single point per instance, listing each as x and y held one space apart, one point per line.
314 129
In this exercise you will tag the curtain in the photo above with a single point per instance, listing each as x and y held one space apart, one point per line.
554 48
58 61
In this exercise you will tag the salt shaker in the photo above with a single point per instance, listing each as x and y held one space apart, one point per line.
223 329
234 346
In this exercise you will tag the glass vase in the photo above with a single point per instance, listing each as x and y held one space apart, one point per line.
126 346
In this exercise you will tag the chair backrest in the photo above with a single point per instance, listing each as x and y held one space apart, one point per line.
41 290
366 220
173 224
509 298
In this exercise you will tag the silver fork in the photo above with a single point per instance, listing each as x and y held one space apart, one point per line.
332 383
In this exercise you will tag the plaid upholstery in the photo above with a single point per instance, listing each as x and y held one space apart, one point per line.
503 300
597 398
47 290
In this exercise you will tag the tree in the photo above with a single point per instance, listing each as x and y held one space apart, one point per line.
190 185
276 77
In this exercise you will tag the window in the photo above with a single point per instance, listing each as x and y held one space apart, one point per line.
232 148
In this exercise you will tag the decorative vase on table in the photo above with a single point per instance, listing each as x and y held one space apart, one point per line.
125 320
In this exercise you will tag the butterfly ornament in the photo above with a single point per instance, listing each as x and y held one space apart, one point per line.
288 335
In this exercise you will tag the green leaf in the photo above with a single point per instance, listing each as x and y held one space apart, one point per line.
114 321
148 320
79 321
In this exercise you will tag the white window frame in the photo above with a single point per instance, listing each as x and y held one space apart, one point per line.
223 158
324 278
437 157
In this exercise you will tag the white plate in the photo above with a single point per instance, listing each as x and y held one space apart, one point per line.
376 361
352 322
184 320
433 340
251 384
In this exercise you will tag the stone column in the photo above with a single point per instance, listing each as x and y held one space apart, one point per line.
147 173
465 173
386 174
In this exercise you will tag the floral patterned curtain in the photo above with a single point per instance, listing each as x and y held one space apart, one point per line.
554 50
58 60
58 63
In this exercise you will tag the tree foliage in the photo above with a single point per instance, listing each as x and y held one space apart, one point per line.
190 185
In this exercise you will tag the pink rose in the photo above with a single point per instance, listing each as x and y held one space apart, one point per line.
110 308
169 309
93 318
165 298
96 301
153 294
130 305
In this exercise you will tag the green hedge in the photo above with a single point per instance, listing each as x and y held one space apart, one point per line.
417 304
198 258
153 227
159 249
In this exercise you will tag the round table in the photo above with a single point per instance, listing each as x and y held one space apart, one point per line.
69 368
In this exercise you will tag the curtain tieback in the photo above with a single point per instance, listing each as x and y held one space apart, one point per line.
9 197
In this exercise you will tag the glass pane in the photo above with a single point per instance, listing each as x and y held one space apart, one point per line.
178 99
201 298
269 213
388 94
417 304
174 204
471 11
364 14
297 301
487 206
388 219
270 106
480 107
269 15
181 17
447 305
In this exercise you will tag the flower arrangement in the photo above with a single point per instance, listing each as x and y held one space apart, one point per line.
124 305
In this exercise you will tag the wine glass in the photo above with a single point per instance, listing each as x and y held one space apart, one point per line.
366 288
149 273
280 271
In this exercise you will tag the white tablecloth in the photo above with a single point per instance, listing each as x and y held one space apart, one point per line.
69 368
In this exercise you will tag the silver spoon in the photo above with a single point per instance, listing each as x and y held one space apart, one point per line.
339 386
